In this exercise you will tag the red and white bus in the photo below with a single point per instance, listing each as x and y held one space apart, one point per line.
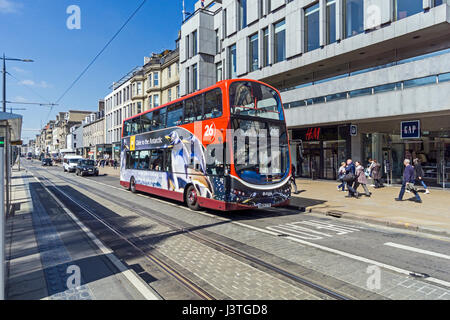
225 147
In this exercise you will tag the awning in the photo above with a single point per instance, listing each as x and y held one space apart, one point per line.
15 123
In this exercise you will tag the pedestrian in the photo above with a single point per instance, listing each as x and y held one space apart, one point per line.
419 173
361 179
341 174
375 172
408 182
293 183
115 164
349 179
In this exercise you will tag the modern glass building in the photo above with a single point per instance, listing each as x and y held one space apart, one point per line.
361 79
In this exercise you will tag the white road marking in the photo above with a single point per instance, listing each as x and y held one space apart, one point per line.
369 261
430 253
147 293
296 230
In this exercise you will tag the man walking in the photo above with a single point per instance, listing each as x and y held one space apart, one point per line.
293 183
408 182
349 178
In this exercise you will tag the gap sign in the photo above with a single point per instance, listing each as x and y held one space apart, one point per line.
410 129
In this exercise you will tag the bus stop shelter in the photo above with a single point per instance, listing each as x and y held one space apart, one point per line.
10 134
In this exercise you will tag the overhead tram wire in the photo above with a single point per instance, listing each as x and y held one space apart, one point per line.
31 89
101 51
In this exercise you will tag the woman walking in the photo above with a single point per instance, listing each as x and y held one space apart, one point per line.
341 174
361 180
418 170
375 168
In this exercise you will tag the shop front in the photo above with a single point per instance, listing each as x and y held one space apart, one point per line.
103 151
116 152
426 139
318 151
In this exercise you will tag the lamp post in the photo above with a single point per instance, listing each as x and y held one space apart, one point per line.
4 75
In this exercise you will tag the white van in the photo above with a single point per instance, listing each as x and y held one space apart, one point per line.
70 162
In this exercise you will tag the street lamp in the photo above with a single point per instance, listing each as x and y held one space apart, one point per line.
4 75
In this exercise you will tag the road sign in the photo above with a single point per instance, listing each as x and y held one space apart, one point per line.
410 129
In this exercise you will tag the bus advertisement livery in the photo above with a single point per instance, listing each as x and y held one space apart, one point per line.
224 147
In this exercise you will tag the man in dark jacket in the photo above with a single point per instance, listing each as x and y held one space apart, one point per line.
420 173
351 169
408 178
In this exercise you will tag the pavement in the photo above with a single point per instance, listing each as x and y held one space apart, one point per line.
50 255
431 216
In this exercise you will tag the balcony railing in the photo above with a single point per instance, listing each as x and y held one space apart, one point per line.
395 86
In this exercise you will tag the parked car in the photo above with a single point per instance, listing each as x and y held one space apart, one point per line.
86 167
47 162
70 162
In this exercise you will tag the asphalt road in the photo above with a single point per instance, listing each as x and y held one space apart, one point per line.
328 250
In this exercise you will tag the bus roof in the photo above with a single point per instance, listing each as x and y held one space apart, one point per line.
223 83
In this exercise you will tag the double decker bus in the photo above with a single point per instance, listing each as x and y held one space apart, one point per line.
225 147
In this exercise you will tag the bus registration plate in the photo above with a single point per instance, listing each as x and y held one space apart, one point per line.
264 205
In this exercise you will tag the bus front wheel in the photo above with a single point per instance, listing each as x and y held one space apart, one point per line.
192 198
133 185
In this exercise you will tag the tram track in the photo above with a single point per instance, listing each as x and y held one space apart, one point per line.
187 230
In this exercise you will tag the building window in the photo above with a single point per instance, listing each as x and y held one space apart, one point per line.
169 94
155 100
138 107
331 21
186 40
312 38
253 52
265 47
169 70
188 80
150 102
194 78
178 92
217 41
232 62
242 14
155 79
149 80
406 8
139 89
354 17
224 23
437 3
194 43
280 41
219 71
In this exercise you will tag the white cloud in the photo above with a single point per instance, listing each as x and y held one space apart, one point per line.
20 99
31 83
7 6
19 70
27 82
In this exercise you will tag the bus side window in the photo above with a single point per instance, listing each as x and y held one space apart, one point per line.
146 122
159 119
213 104
175 115
126 128
193 109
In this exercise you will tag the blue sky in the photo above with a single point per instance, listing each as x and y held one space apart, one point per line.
36 29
